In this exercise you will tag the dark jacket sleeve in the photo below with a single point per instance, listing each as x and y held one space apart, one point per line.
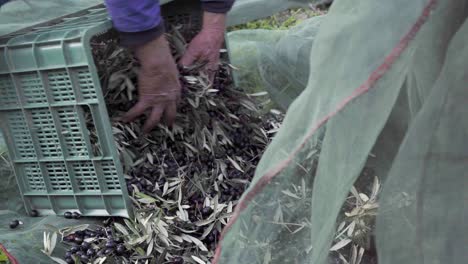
217 6
138 21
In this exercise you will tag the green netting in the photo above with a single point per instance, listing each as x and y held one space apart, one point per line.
273 60
19 14
372 83
385 87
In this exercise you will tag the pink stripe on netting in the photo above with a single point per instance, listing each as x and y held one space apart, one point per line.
10 257
364 88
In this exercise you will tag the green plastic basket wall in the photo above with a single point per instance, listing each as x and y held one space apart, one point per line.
49 88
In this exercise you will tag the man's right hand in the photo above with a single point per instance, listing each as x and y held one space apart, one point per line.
158 84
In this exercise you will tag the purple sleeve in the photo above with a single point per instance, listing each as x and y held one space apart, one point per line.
134 15
138 21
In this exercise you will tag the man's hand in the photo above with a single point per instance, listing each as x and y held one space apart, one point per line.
158 84
205 47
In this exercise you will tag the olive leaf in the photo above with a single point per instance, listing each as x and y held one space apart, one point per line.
100 260
196 241
58 260
121 229
132 227
235 164
50 241
198 260
207 231
340 244
72 229
150 248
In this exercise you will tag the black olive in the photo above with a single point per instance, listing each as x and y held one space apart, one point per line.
78 240
149 188
121 249
68 254
80 233
201 200
67 215
118 240
207 211
110 244
80 253
90 252
76 215
14 224
210 238
143 183
69 238
74 249
69 261
109 230
85 245
34 213
101 232
192 200
224 198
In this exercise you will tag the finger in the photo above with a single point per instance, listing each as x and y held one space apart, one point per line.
134 112
189 58
212 77
153 119
170 113
212 70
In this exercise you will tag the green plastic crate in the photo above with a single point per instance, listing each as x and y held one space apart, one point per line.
48 84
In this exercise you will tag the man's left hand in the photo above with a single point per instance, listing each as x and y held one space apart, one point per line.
206 46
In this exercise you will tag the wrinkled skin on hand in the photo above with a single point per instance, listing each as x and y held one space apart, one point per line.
158 85
205 47
158 80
